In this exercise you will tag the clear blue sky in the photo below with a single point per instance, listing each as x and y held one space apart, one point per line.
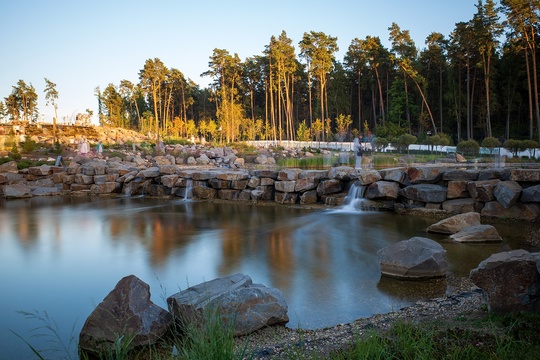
82 44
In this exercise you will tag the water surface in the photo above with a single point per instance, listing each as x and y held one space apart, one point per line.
62 256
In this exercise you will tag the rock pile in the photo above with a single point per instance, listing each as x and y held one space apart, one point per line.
128 312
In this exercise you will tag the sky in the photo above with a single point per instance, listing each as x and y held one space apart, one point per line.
82 44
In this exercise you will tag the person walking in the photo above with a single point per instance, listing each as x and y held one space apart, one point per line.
358 151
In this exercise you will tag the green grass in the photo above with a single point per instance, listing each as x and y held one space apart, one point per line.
485 337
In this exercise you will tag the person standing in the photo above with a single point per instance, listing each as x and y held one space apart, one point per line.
357 148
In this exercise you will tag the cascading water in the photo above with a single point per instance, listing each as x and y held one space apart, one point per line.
354 198
188 191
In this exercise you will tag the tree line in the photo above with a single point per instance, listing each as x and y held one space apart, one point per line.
480 81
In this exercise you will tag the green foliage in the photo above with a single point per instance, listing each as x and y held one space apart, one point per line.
403 141
28 146
440 139
468 147
14 154
491 142
389 131
303 133
380 143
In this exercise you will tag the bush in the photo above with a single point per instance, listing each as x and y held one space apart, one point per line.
28 146
468 147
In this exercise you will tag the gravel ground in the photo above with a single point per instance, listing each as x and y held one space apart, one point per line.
279 342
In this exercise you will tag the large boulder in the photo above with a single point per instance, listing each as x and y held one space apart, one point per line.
125 311
477 233
507 193
17 191
416 258
455 223
238 302
428 193
510 280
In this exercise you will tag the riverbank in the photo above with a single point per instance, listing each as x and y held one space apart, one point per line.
458 323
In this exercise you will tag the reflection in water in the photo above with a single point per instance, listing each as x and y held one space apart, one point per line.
71 252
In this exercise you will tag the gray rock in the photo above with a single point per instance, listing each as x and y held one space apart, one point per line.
460 175
522 211
424 174
289 174
17 191
510 280
235 299
424 193
507 193
46 191
477 233
531 194
464 205
416 258
366 177
455 223
331 186
397 175
285 186
482 190
126 310
10 166
383 190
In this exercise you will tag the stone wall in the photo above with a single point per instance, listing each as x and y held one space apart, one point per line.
499 193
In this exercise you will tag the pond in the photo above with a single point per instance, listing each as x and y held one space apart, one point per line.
59 257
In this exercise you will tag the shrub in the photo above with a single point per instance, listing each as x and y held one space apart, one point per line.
28 146
468 147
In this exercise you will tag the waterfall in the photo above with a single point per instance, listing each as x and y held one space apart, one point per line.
188 191
354 198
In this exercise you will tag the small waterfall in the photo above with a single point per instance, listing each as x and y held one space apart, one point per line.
188 191
354 198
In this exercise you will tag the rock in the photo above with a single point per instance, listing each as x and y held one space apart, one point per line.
309 197
510 280
9 167
429 193
521 211
457 189
397 175
416 258
424 174
482 190
383 190
455 223
126 310
42 170
525 175
531 194
463 205
366 177
477 233
285 186
460 175
46 191
17 191
341 173
507 193
306 184
235 299
331 186
288 174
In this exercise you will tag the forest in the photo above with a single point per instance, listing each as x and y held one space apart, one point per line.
478 82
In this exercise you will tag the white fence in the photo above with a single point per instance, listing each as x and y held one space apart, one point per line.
348 146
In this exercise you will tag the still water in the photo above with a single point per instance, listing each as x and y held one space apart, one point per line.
59 257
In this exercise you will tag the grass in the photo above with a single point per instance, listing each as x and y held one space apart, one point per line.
492 337
513 336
